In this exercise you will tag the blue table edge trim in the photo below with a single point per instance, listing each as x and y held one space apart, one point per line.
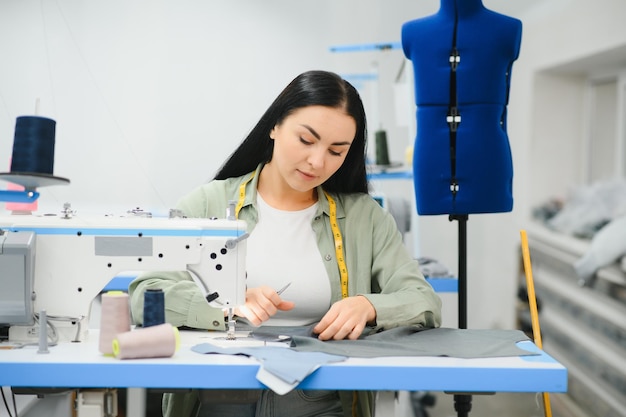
440 284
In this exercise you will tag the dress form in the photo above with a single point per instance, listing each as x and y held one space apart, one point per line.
471 170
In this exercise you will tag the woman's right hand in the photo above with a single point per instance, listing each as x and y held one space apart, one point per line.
261 304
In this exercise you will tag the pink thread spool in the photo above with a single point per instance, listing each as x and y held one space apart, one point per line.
114 319
160 341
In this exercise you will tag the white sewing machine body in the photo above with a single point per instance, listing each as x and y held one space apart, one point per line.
60 264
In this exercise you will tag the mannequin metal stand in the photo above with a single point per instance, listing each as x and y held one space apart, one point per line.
462 293
462 402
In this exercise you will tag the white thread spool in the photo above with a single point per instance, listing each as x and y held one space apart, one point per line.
114 319
160 341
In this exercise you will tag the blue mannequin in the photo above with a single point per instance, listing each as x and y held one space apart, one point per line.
463 167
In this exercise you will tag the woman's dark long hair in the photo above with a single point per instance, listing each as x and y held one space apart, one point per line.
312 88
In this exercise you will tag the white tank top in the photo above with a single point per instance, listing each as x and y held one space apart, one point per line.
281 249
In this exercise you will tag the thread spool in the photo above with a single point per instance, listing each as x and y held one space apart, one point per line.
114 319
382 152
33 145
160 341
32 161
153 307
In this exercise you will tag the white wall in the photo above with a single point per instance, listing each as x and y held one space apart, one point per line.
150 96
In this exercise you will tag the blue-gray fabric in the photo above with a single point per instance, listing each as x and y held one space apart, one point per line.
289 365
307 352
409 341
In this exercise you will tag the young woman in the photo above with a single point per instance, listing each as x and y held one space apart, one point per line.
300 183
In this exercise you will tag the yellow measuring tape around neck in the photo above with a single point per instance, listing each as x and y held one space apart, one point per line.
242 194
334 225
341 262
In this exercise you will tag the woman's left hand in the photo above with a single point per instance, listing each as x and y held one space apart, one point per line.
346 319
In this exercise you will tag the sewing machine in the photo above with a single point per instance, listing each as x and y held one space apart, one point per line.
59 264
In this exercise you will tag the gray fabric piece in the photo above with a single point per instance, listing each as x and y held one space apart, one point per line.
410 341
289 365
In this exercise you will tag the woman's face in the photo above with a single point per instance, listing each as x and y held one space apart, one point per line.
311 144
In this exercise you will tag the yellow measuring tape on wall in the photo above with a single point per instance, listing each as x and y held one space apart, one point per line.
334 225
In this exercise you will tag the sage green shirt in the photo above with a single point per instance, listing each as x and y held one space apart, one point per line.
379 268
379 265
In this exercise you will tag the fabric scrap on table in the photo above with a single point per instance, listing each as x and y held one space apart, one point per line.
282 369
